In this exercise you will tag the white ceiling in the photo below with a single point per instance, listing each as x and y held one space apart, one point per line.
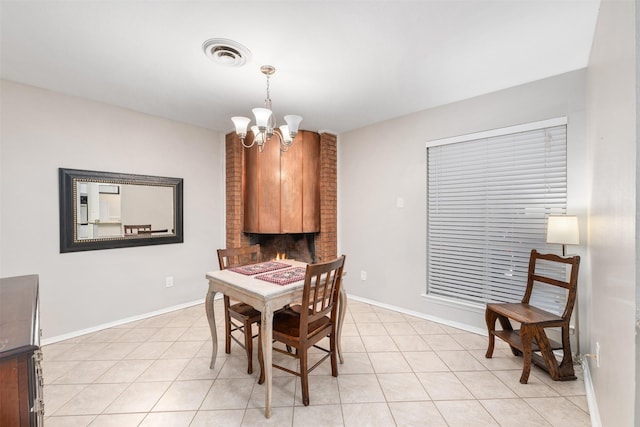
340 64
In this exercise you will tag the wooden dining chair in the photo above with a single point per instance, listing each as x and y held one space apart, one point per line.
239 316
302 326
531 337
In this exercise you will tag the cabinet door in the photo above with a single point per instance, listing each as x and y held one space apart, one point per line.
269 194
10 391
262 188
18 392
250 190
311 183
281 189
291 182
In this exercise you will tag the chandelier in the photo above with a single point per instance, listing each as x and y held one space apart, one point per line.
265 128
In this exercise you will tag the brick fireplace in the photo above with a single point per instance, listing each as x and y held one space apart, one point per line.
322 246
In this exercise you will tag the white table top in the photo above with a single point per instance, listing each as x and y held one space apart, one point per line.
261 288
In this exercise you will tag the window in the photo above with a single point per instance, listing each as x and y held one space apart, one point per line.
489 195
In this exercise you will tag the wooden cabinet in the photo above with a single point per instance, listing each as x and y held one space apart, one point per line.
21 380
282 189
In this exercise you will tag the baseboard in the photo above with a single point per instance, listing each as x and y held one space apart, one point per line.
103 326
591 396
447 322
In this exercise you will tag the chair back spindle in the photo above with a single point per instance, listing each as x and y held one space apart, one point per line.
321 288
234 257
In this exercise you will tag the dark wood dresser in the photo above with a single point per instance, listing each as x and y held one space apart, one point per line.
20 370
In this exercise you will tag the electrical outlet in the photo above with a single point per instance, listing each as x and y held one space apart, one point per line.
597 354
363 275
168 281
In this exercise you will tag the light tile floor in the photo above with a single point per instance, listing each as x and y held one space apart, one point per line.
398 370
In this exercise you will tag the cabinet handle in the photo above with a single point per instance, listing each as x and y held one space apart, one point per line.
40 378
38 406
37 357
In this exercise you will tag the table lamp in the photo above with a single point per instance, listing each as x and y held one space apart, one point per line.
563 229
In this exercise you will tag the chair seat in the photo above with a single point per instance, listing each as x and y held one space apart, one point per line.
244 310
523 313
288 322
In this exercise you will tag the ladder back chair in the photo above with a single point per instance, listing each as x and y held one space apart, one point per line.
239 317
303 325
531 337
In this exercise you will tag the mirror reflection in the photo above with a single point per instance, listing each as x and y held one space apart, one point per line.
123 210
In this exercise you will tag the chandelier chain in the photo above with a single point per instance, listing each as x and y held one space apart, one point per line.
268 105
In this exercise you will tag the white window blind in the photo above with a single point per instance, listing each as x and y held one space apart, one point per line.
488 200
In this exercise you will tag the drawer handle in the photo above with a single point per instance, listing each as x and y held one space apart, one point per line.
38 406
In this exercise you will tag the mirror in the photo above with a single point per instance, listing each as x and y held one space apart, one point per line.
105 210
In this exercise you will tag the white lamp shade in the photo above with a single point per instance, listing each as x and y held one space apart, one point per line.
241 124
258 137
563 229
293 122
262 116
286 136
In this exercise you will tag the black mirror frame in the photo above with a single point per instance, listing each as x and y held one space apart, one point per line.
68 240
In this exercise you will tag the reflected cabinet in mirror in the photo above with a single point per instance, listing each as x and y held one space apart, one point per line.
105 210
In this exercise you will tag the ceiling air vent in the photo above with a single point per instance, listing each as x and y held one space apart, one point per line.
226 52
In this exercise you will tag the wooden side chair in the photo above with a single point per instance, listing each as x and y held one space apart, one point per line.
531 337
303 325
239 317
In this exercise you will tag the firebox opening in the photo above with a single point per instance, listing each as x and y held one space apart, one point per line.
299 246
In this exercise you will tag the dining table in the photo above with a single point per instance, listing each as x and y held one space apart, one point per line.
267 286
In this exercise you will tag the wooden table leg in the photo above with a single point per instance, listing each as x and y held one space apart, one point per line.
342 309
266 333
208 305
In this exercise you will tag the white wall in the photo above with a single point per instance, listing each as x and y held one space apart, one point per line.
385 161
612 145
148 204
41 131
